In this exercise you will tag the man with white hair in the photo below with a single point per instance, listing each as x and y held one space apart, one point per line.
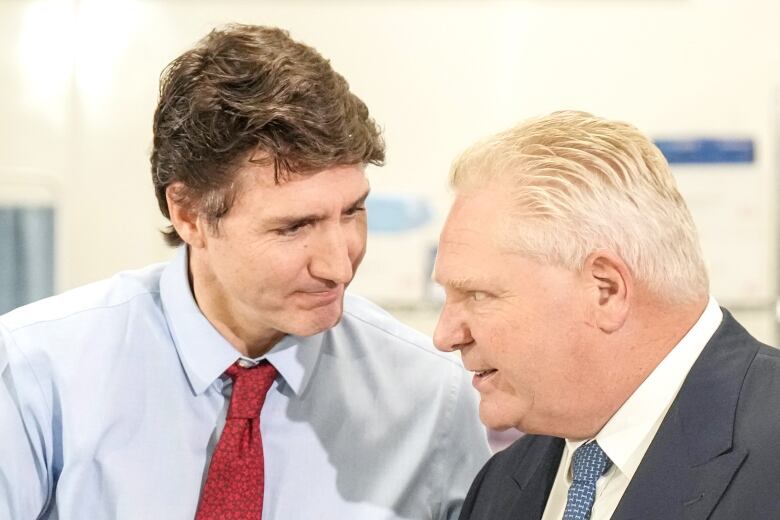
577 294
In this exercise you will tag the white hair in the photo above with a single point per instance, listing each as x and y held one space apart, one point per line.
582 183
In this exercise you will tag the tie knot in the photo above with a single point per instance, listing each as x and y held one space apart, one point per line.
250 386
589 462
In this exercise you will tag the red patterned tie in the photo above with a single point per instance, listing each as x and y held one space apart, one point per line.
234 484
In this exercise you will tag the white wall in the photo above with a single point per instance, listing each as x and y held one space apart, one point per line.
76 115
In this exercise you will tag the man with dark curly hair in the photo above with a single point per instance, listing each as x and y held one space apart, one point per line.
239 381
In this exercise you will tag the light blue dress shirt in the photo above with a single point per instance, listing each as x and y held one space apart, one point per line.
112 400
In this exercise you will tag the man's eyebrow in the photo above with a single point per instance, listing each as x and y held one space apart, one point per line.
460 284
359 201
292 220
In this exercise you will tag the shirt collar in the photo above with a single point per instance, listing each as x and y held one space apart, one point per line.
205 354
627 435
295 358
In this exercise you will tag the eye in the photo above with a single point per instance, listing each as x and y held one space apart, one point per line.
478 295
292 230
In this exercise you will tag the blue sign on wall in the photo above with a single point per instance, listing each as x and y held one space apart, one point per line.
393 213
707 150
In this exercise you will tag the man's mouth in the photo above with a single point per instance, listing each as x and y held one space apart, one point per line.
481 378
322 297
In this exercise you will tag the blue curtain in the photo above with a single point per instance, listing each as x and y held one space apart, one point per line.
26 255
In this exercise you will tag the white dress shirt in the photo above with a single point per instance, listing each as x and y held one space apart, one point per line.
112 400
627 435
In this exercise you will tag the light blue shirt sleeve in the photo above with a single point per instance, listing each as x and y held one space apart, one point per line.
24 477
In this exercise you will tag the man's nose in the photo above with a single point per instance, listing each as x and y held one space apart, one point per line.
331 258
452 332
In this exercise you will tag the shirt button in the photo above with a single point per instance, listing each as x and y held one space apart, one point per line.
245 364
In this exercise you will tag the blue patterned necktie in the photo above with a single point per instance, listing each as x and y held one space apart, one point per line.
589 463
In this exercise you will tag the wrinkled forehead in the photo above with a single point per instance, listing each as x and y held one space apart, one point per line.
479 215
263 176
472 232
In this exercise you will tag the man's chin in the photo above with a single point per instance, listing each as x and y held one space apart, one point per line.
321 320
499 426
495 420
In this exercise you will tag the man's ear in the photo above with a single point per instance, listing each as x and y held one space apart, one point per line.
184 218
610 289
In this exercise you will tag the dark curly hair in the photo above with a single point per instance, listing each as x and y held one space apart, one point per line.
246 92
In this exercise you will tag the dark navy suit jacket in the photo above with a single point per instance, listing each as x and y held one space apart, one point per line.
715 456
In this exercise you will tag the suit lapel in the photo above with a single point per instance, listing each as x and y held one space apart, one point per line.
534 477
691 461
